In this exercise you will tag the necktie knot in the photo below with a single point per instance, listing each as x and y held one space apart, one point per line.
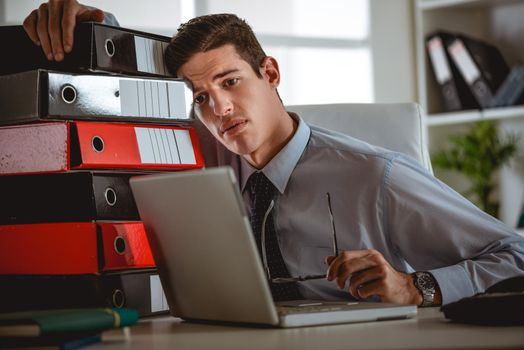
261 187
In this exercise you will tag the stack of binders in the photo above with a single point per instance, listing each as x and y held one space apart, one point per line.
469 72
71 136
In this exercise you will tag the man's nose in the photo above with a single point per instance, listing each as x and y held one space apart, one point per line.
221 104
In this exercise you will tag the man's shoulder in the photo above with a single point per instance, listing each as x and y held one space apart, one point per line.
326 140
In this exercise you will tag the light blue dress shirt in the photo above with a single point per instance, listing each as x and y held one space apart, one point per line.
381 200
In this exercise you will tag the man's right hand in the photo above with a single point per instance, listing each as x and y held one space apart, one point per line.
52 24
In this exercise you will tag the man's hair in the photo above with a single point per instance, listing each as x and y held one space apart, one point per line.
209 32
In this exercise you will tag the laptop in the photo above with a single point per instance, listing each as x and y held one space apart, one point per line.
208 262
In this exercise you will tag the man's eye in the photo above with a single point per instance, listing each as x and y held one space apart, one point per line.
200 99
231 82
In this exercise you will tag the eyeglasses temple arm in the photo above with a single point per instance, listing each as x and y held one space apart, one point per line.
333 229
263 238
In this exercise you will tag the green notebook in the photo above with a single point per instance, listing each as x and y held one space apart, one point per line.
43 322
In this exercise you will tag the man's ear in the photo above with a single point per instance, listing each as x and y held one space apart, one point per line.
269 69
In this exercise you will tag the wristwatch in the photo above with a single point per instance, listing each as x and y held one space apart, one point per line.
426 285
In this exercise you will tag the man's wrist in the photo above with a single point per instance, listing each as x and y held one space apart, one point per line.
427 288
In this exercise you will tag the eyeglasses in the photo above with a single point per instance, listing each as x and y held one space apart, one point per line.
297 278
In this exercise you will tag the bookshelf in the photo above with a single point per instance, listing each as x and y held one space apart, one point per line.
500 23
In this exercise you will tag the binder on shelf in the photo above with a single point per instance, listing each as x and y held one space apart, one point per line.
73 248
96 47
48 95
66 197
481 65
511 92
455 92
140 290
61 146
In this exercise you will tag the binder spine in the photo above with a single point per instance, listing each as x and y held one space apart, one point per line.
126 51
100 97
48 95
67 197
481 65
125 245
97 47
140 146
512 89
140 290
443 73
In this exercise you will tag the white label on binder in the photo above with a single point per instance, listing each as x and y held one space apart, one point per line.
164 146
150 55
464 61
185 147
177 100
158 297
145 98
438 58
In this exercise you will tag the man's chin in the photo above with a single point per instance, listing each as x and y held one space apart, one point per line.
240 150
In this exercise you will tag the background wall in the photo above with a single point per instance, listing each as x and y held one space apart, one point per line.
393 47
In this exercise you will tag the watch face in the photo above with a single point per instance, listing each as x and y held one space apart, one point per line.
425 281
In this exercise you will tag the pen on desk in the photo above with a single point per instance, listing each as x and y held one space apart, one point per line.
333 229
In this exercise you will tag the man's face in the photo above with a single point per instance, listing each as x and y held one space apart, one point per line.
240 109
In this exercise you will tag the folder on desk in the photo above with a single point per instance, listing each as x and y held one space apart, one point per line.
67 197
73 248
481 65
137 289
46 95
61 146
97 47
455 92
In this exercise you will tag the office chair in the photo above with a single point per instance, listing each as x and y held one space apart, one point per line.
398 126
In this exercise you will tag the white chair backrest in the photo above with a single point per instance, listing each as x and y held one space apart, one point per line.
398 126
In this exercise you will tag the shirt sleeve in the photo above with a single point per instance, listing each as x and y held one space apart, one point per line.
110 19
436 229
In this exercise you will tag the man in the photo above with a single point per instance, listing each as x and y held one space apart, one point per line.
393 218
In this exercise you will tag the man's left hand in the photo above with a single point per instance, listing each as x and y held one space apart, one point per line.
370 275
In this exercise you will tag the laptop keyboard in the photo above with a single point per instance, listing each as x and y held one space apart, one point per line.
313 307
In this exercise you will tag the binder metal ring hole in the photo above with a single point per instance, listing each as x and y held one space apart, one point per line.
119 298
68 94
98 144
110 196
120 245
110 47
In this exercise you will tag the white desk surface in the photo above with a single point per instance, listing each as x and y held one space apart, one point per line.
429 330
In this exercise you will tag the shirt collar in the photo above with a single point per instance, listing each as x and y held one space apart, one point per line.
279 169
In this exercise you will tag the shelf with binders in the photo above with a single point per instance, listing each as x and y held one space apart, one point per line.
496 23
499 24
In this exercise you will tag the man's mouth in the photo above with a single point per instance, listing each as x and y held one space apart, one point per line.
232 126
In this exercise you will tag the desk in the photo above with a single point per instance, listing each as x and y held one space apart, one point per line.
429 330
